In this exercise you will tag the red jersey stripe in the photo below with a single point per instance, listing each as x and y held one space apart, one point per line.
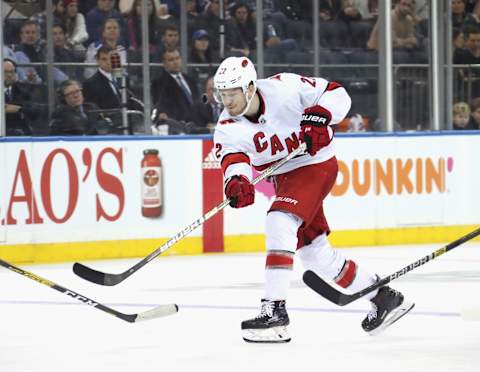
234 158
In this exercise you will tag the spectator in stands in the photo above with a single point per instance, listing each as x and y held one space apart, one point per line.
126 6
193 16
210 20
110 38
9 53
474 122
96 18
19 106
458 13
173 92
201 52
206 113
240 31
41 18
76 29
419 12
361 16
333 28
73 117
473 19
169 40
291 19
32 49
134 26
407 47
85 6
240 37
458 39
100 88
62 53
461 116
103 90
471 54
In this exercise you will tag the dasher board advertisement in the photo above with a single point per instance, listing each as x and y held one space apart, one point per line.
92 190
390 189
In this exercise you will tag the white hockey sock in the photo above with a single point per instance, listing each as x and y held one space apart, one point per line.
331 264
277 283
281 231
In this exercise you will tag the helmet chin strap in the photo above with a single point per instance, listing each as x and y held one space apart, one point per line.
249 101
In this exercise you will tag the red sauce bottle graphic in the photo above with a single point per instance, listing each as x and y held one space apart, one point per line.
152 200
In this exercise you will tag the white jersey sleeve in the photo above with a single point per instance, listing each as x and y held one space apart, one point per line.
318 91
233 159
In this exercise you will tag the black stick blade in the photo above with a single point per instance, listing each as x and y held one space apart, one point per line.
326 290
95 276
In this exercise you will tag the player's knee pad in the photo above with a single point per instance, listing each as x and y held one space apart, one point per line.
321 258
281 231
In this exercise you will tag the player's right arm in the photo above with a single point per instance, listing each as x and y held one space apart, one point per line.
237 172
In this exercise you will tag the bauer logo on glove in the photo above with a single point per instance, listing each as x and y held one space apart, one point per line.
315 131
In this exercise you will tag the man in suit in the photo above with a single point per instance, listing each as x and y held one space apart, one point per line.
19 109
101 88
173 92
73 117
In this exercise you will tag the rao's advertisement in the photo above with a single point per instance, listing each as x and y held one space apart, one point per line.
71 191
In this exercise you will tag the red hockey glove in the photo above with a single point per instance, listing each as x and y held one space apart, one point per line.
314 127
240 191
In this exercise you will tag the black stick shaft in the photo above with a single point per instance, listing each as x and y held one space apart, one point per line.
332 294
423 260
83 299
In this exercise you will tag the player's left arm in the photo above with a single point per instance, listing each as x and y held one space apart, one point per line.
237 171
324 106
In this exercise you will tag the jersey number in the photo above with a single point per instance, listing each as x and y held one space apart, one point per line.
219 148
310 81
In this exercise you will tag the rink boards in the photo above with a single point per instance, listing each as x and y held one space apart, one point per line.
81 198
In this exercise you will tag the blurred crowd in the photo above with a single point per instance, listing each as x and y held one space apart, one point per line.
97 50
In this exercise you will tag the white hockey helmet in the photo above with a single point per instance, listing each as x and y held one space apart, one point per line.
236 72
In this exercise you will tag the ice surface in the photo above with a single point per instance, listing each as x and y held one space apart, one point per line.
43 330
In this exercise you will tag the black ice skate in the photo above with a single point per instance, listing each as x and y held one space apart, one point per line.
269 326
387 307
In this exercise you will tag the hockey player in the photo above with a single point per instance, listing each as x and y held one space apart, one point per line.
262 122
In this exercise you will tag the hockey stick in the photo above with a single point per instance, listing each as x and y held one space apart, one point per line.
326 290
102 278
159 311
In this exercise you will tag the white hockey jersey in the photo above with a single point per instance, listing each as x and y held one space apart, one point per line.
241 143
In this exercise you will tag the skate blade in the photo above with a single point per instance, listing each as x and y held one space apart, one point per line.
391 318
269 335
